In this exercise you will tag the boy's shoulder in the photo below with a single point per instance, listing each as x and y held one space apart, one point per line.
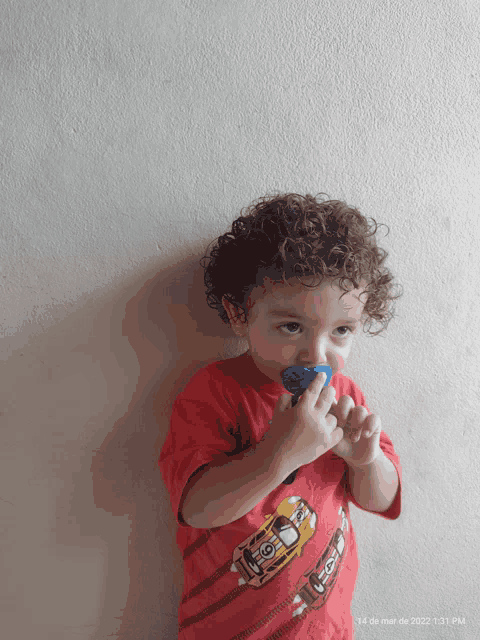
217 375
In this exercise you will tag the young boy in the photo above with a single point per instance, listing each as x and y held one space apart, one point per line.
260 488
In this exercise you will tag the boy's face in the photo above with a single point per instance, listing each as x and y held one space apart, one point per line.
298 326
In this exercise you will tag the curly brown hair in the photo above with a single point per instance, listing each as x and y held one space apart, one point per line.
290 236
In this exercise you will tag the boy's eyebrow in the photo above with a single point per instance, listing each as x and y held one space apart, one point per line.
292 313
284 313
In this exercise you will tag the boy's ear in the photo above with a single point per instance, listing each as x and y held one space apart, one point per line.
238 326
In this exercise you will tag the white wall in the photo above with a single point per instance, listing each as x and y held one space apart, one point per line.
132 132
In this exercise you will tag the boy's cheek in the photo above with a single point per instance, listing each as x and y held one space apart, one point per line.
273 355
339 364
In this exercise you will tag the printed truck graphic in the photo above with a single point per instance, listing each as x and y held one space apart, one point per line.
280 538
315 586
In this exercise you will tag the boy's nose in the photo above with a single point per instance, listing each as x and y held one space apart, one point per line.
315 354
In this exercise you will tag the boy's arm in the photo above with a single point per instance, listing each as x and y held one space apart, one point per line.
226 492
372 476
374 486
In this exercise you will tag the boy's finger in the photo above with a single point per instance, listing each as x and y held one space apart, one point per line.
356 435
315 387
317 383
325 400
285 401
342 410
374 423
336 435
358 415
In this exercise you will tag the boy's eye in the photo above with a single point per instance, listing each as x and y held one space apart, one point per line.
290 324
346 332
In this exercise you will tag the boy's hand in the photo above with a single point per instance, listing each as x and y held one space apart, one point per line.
360 444
307 431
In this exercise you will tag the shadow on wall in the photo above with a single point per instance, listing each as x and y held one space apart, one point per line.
173 333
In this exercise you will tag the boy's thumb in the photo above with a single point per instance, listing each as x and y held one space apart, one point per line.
284 401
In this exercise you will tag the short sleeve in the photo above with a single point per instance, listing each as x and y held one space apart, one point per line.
201 432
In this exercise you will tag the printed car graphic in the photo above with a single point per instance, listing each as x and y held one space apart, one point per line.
315 586
280 538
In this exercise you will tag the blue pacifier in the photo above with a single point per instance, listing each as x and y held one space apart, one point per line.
297 379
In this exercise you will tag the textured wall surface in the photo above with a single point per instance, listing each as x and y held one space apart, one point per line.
131 134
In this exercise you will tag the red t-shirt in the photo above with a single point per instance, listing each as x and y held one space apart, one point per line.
288 567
